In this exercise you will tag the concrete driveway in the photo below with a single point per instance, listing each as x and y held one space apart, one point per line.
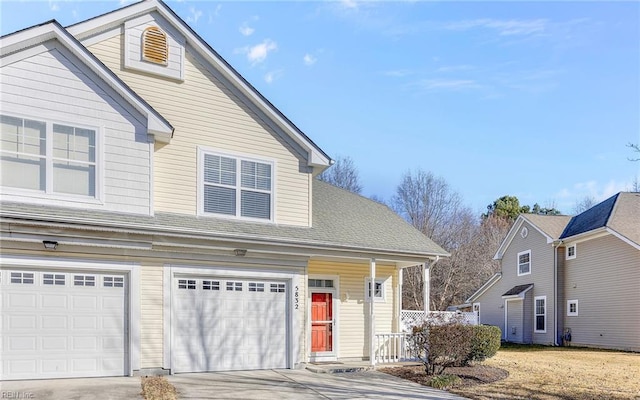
246 385
300 384
73 389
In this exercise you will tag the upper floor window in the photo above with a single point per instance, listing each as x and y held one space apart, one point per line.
571 252
236 187
48 157
524 262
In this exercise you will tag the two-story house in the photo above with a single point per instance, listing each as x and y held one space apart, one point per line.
569 280
158 214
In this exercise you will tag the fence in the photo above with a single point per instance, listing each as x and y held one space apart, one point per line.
411 318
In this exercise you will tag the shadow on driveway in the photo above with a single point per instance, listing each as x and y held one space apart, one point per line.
300 384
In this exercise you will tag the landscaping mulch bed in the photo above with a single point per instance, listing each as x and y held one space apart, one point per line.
469 376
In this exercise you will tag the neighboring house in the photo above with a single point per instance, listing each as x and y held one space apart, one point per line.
572 281
159 215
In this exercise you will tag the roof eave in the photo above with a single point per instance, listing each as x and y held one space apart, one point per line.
316 157
157 126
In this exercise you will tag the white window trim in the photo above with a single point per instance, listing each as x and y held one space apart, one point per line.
383 291
518 263
238 157
48 195
569 313
535 315
575 251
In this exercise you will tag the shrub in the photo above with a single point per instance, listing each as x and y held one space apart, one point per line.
484 343
443 381
441 343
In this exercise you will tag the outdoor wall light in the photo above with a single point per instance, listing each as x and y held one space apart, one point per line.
50 244
240 252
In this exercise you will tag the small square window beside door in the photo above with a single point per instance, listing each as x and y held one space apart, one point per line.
572 308
376 292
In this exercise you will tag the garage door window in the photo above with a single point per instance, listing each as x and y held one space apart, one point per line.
53 279
235 286
113 281
22 277
84 280
210 285
277 288
256 287
186 284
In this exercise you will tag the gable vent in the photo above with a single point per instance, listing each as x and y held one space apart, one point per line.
154 46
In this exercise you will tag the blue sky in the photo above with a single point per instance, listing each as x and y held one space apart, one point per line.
532 99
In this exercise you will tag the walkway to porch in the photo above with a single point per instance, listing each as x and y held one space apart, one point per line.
335 367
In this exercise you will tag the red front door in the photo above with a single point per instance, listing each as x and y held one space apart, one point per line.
321 322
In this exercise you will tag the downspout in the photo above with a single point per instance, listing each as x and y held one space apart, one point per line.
556 244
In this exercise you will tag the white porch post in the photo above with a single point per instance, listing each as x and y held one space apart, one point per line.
426 280
372 316
399 312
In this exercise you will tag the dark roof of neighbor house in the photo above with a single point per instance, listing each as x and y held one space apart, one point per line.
552 225
341 220
516 290
620 212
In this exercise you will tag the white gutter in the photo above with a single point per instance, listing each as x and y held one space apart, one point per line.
555 245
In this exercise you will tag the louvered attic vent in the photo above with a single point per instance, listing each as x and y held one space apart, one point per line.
154 46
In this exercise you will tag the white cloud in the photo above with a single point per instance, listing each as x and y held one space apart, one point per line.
271 76
309 59
258 53
447 84
455 68
594 189
510 27
215 13
53 6
246 30
397 73
195 15
350 4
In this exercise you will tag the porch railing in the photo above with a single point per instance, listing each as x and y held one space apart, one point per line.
392 347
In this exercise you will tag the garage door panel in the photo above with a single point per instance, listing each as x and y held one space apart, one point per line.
53 328
232 328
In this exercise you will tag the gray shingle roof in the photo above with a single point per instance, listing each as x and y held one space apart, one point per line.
620 212
341 219
516 290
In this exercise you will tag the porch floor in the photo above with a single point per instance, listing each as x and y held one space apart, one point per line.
353 366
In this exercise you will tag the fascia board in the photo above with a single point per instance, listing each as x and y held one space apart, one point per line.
487 285
507 240
156 124
315 157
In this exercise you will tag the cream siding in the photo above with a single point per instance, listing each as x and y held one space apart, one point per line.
605 279
151 315
206 113
54 86
353 320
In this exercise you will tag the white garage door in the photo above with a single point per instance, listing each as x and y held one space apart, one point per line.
229 324
58 324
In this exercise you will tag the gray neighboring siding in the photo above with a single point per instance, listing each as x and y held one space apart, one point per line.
606 317
528 318
542 260
514 328
562 303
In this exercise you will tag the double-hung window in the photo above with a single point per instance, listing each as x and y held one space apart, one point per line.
524 262
236 186
47 157
541 313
